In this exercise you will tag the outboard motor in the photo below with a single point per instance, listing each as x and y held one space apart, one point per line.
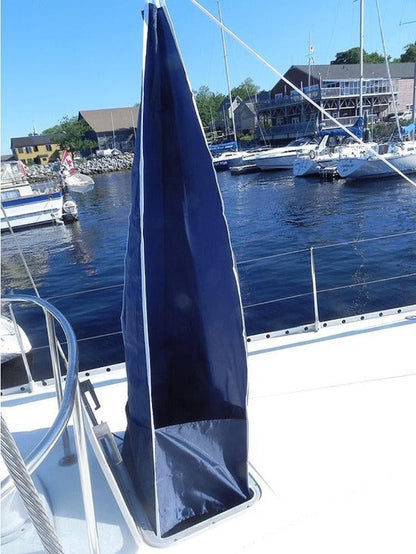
69 207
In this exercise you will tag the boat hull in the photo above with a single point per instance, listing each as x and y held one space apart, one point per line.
13 371
367 168
33 210
306 166
283 161
226 161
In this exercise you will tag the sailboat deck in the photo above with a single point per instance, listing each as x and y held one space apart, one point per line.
331 419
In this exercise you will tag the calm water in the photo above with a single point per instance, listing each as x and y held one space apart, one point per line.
79 267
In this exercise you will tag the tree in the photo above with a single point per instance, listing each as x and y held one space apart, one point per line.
353 56
208 104
374 57
71 135
247 90
410 54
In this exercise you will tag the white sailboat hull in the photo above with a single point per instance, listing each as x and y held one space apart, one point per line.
403 160
303 166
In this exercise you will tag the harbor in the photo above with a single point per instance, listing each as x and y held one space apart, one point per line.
274 220
204 359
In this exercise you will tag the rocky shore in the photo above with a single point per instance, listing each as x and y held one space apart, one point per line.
118 162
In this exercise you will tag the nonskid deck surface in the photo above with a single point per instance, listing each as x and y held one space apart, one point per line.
331 418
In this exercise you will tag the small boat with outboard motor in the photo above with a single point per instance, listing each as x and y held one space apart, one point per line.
24 204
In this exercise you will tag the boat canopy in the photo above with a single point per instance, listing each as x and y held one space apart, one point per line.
186 440
224 147
357 129
408 129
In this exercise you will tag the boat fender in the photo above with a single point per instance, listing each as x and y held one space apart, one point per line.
312 154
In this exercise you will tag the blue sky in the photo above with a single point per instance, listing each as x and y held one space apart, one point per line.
58 59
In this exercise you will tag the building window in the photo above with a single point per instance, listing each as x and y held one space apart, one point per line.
28 149
35 149
49 148
20 150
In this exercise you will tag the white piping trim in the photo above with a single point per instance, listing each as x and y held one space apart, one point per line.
143 265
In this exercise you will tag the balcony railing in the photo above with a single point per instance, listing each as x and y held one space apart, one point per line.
369 89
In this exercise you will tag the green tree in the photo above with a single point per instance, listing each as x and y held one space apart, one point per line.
70 134
247 89
208 104
353 56
410 54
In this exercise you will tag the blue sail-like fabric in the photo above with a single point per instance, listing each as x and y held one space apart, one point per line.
357 129
186 440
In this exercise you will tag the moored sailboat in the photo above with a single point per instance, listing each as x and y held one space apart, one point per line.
226 157
334 144
73 179
384 160
397 156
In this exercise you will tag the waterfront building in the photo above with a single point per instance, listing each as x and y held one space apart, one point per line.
336 88
113 128
245 114
34 149
245 118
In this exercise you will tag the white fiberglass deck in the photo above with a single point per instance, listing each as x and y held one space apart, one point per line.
332 420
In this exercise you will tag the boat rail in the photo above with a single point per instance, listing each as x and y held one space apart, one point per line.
69 402
299 308
310 292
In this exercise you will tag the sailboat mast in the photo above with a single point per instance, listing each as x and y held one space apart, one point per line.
114 134
310 60
227 72
414 102
396 115
360 107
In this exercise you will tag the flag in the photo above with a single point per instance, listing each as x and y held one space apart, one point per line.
67 162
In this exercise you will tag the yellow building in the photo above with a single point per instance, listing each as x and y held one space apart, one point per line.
34 149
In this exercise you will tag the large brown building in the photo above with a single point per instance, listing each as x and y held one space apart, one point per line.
112 128
335 88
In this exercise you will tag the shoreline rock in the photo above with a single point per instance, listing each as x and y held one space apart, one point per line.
106 164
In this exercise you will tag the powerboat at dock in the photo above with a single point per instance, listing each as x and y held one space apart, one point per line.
283 157
25 205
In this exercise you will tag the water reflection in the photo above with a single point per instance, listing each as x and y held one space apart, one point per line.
82 250
35 244
79 267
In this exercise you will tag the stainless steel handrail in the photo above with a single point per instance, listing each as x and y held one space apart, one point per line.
70 399
39 453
